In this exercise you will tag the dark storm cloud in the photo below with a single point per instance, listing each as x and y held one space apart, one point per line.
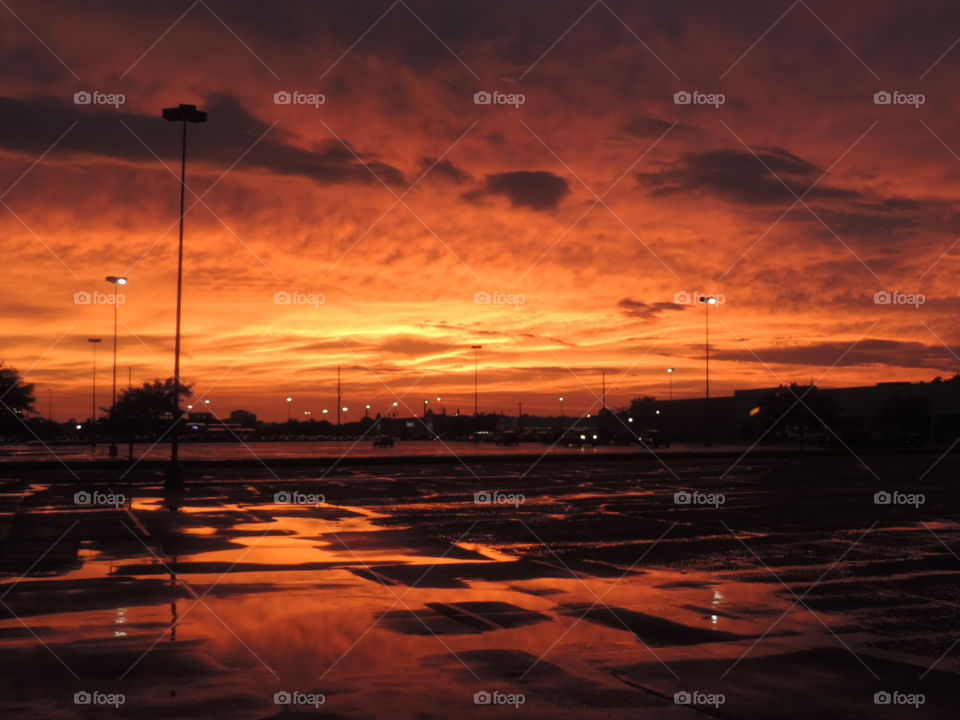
443 169
534 189
30 126
646 311
868 352
738 177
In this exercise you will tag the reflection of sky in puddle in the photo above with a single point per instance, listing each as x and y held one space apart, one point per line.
319 628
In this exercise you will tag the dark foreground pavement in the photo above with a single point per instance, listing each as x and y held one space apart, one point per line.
777 587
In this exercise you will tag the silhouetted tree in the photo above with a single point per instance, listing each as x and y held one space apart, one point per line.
797 407
149 407
643 410
16 397
901 416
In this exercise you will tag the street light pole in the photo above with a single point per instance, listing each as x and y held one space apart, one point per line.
476 396
117 282
707 301
93 399
561 406
182 114
670 375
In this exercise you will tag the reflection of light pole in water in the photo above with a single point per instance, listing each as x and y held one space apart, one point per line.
707 301
182 114
93 401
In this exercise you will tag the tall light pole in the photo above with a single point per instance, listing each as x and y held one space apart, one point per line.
50 404
289 404
182 114
93 399
670 375
707 301
117 282
476 395
561 406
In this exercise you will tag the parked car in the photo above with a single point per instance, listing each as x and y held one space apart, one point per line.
654 438
383 441
579 437
508 437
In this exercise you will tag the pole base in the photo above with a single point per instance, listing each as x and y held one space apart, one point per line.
113 450
173 478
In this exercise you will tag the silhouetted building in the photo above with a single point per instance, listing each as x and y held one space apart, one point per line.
244 418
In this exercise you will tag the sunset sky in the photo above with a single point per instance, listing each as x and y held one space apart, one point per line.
592 208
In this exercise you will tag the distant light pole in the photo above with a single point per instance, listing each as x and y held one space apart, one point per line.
93 401
181 114
707 301
289 405
117 282
476 366
425 403
50 404
561 406
670 375
366 411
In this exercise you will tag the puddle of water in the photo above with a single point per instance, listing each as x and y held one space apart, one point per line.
328 625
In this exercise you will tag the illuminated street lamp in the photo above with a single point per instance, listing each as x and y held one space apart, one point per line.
366 411
93 401
289 405
561 406
117 282
182 114
707 301
670 375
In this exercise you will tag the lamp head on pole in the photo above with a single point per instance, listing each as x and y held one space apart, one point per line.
116 280
184 113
